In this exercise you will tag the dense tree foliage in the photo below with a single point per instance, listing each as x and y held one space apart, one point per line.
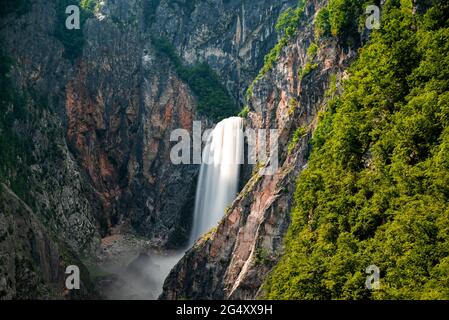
214 100
342 18
376 188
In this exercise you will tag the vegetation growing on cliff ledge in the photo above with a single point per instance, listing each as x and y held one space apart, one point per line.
340 18
72 40
214 100
13 147
375 191
286 26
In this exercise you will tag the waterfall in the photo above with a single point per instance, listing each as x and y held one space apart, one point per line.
219 175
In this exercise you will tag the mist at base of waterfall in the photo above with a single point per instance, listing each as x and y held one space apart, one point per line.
136 277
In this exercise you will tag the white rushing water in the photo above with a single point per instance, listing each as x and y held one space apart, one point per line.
219 175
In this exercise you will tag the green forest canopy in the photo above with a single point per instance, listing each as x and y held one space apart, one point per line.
376 189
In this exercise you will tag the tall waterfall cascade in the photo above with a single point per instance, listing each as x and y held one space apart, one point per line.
219 175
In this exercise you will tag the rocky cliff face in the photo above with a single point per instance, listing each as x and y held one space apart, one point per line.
121 106
56 187
99 124
124 100
33 263
231 36
234 260
119 101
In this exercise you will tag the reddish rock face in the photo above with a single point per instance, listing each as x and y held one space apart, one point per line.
85 134
122 140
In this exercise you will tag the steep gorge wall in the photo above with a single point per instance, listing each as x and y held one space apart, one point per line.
121 106
125 99
119 100
98 125
33 262
55 185
233 261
